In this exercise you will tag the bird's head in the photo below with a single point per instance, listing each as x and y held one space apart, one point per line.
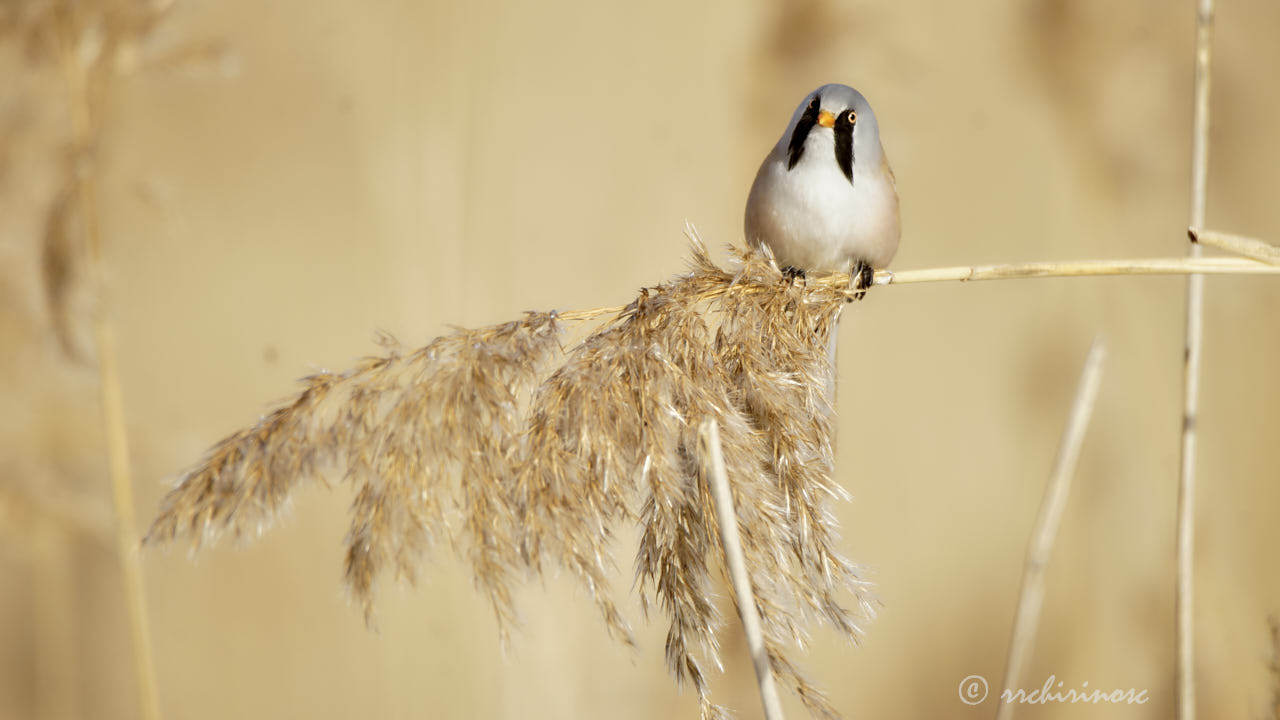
833 124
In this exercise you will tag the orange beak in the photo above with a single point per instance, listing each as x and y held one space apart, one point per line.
826 119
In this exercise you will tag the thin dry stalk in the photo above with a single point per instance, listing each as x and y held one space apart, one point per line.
727 516
1082 268
1010 271
1045 531
86 74
126 537
1186 689
1238 244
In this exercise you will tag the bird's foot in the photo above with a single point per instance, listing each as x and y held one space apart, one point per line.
864 276
793 273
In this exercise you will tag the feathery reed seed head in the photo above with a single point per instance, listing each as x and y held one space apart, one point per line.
542 453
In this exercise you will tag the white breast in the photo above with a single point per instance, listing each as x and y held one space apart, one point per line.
813 218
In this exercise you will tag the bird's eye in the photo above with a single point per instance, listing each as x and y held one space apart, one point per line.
851 116
813 104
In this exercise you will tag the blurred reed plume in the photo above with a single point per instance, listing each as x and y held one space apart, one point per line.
92 44
523 455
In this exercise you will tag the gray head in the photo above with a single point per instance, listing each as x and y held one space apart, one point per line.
833 117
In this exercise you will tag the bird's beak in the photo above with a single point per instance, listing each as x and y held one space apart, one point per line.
826 119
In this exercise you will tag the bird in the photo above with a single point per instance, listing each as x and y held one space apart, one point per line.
825 198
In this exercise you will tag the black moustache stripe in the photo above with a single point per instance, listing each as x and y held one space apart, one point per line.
844 145
795 148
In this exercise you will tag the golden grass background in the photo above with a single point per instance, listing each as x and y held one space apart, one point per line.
279 182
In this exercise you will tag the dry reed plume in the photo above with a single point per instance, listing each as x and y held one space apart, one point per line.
525 456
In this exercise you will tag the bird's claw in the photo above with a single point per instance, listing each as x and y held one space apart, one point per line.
864 277
793 273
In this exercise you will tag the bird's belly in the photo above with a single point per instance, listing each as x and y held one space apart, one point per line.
831 229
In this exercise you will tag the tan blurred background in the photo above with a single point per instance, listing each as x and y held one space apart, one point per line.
280 180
